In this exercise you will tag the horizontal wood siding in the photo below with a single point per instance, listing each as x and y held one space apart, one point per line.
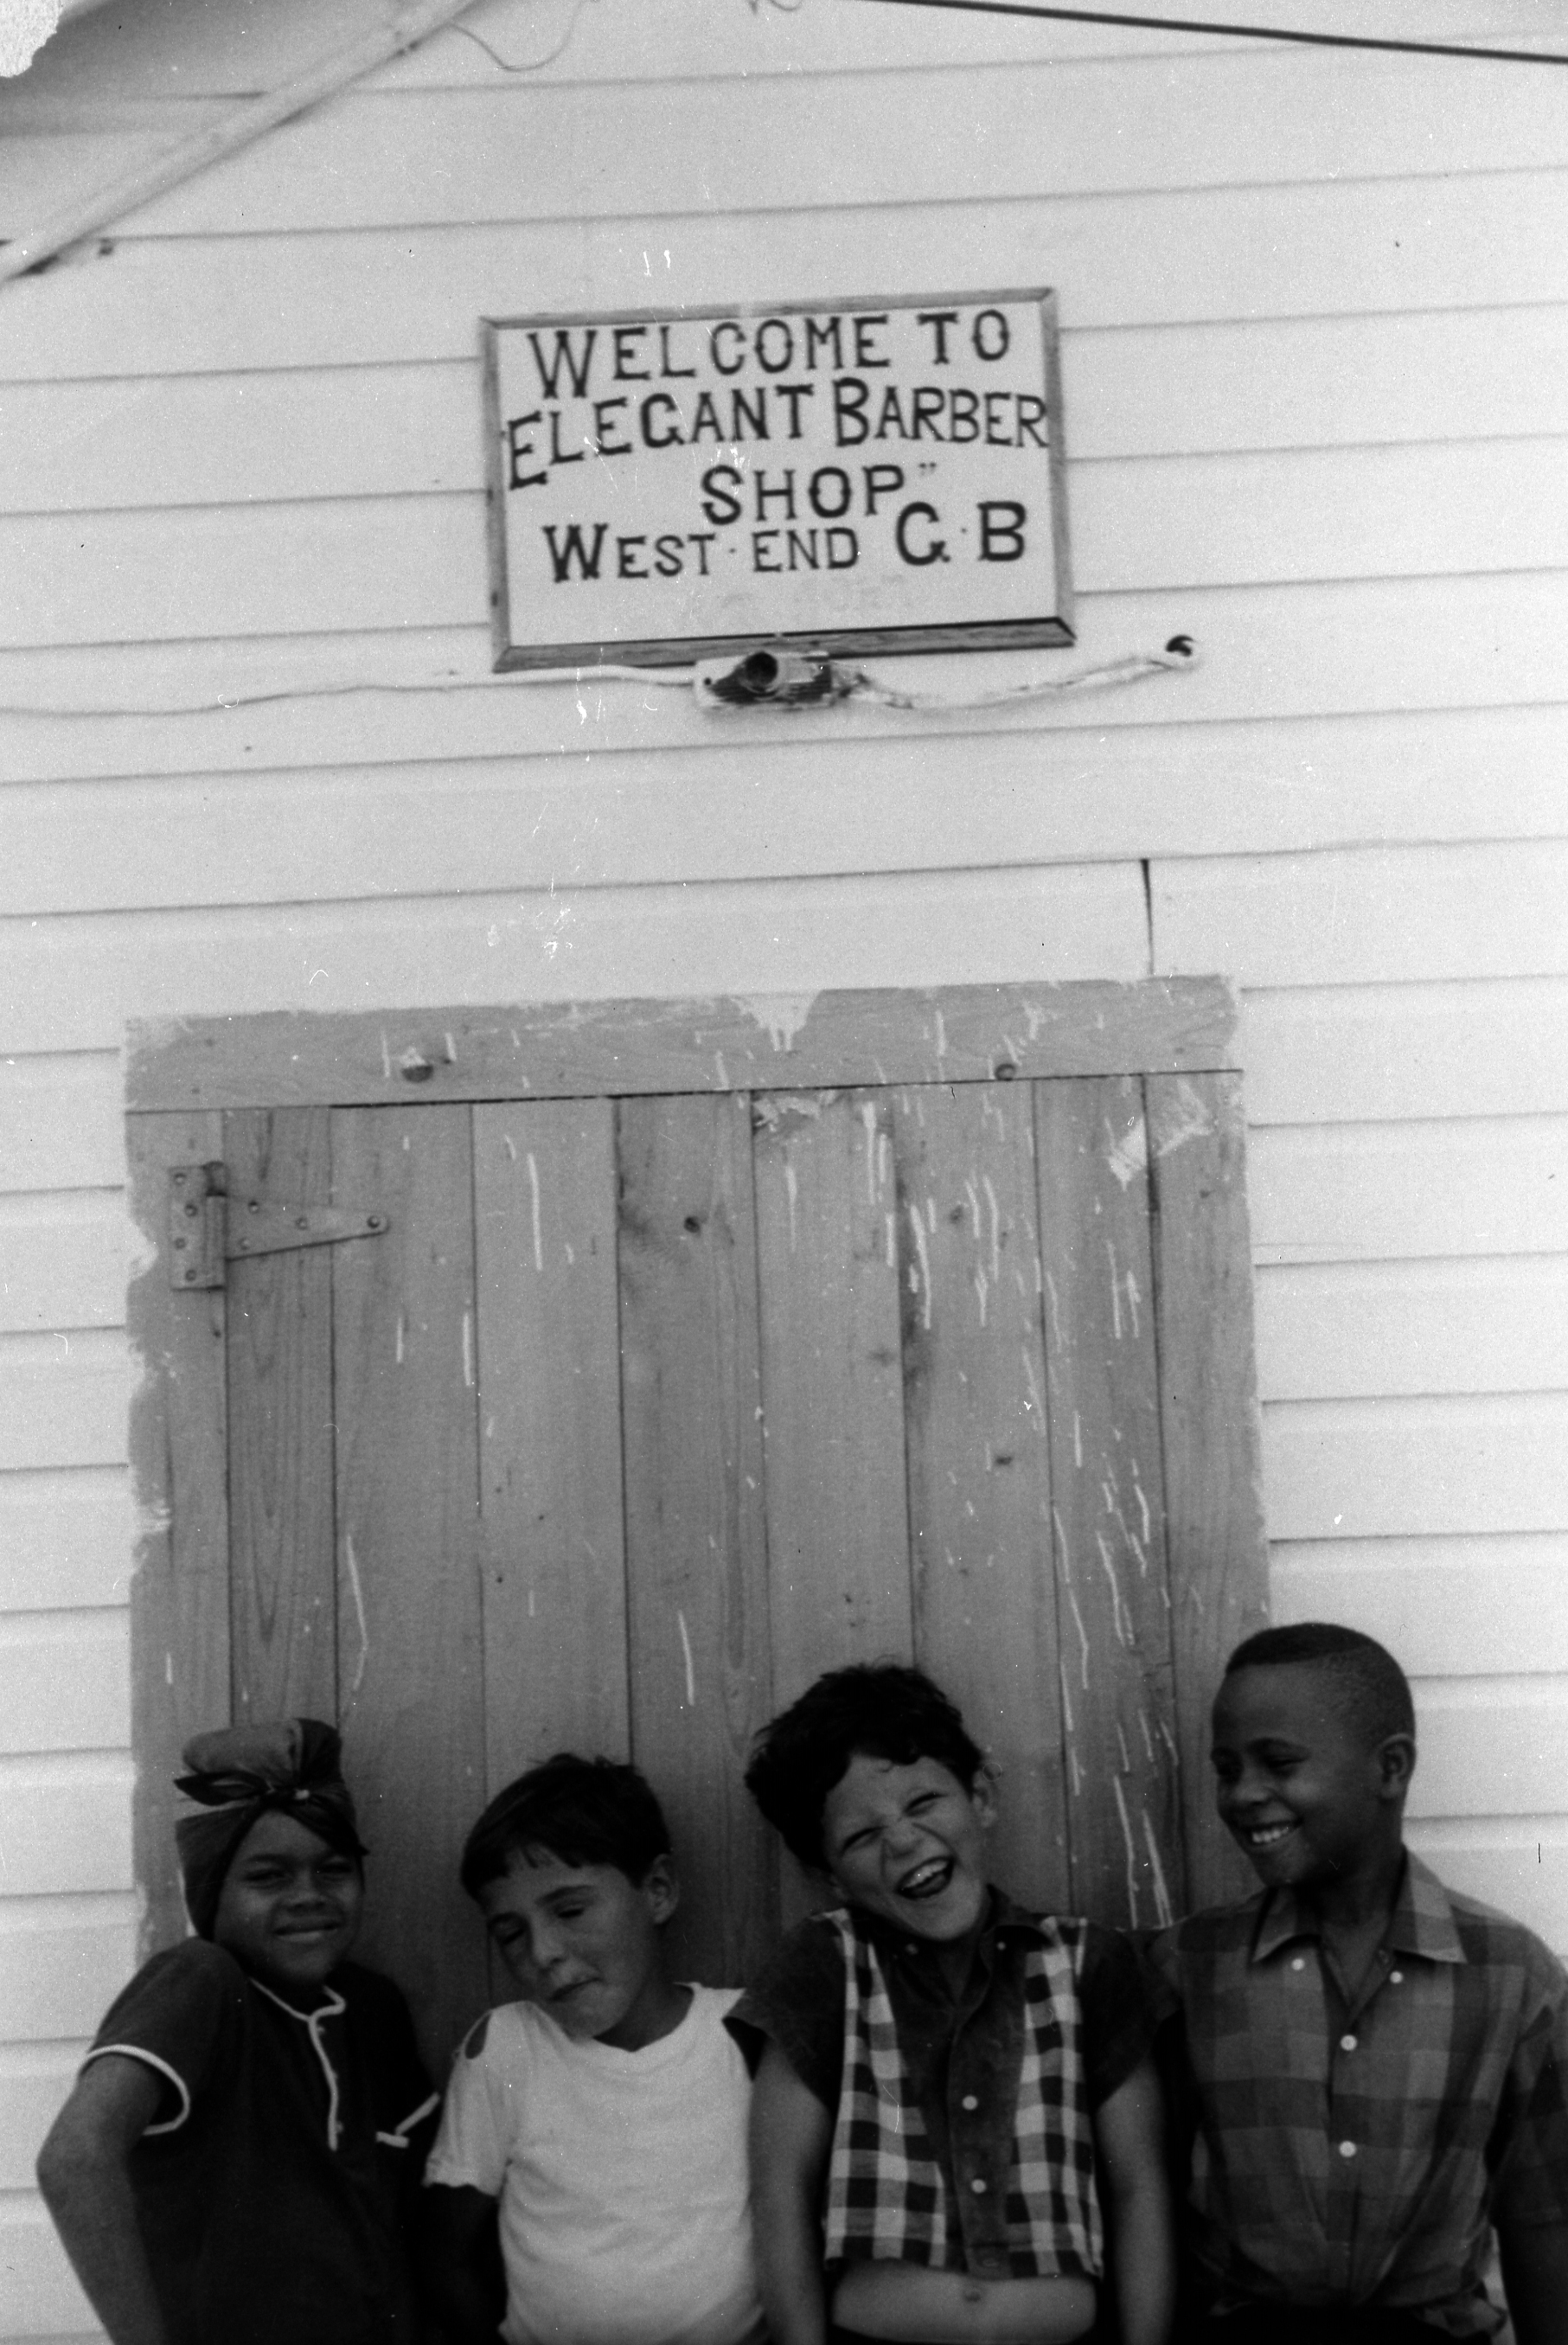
408 429
1314 314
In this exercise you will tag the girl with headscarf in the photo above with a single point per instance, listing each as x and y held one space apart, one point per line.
233 2164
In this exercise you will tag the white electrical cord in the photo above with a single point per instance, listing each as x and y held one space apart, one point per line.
667 676
799 682
1180 652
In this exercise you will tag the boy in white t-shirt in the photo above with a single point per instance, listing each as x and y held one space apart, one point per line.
597 2130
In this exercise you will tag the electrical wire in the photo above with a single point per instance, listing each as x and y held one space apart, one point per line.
1179 654
837 683
1237 32
579 676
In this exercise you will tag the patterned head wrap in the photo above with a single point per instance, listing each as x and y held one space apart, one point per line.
290 1766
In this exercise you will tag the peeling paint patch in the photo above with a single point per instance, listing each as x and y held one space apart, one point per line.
690 1671
1186 1117
921 1277
1164 1912
533 1195
783 1015
353 1568
1083 1638
1125 1822
1127 1158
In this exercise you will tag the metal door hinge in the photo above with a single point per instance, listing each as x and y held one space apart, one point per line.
207 1227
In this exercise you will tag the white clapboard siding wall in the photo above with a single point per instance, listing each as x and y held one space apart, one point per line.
1314 313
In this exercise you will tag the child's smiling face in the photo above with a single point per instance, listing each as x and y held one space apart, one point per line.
582 1941
1309 1802
288 1911
908 1842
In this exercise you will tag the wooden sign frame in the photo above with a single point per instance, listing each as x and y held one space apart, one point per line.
902 472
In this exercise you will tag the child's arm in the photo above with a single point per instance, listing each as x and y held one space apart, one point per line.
1130 2149
1536 2280
791 2133
83 2175
460 2261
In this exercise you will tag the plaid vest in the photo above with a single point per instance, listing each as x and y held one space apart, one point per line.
887 2197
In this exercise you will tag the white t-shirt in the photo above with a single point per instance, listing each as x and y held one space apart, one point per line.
626 2214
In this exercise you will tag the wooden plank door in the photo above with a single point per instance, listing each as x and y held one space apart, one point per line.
657 1399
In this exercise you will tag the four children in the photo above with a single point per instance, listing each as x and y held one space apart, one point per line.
956 2132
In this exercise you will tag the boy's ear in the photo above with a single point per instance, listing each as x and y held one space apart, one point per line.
982 1796
660 1886
1396 1764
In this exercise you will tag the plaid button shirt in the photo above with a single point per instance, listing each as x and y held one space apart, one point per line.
962 2056
1023 2189
1353 2153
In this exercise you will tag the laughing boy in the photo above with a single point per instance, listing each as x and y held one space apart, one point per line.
1374 2069
956 2127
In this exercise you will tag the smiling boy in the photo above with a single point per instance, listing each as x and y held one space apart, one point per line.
956 2104
594 2132
1373 2070
231 2162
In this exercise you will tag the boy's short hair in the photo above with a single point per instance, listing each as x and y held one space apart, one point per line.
1366 1684
880 1708
582 1811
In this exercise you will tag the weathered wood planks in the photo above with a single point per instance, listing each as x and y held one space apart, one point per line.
410 1653
1109 1499
695 1554
554 1564
1209 1418
283 1602
987 1603
960 1033
828 1268
179 1440
652 1404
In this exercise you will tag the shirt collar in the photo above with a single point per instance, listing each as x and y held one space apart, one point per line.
1421 1922
1003 1916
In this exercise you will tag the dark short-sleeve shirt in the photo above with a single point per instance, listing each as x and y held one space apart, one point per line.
1353 2152
270 2187
961 2053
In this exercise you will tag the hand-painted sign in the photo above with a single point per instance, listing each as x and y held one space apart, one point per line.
864 476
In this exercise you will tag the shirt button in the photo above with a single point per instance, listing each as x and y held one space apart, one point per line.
1347 2043
1396 1978
978 2188
1347 2150
970 2102
1299 1962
